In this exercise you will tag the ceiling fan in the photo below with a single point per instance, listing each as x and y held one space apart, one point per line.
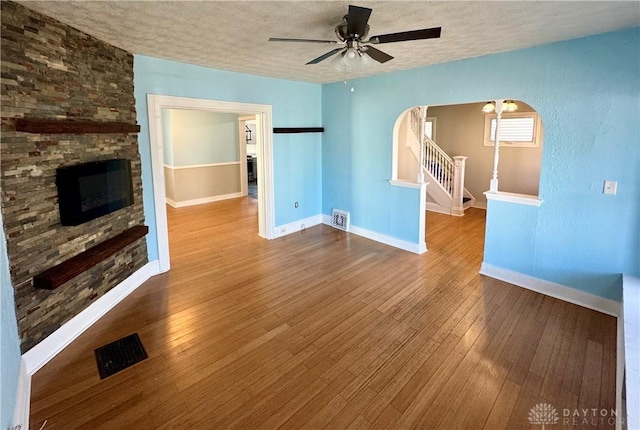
352 34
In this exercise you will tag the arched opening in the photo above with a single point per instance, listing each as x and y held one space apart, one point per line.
452 148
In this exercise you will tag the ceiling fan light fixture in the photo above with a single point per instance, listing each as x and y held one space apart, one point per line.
366 61
352 57
352 34
337 62
489 107
509 106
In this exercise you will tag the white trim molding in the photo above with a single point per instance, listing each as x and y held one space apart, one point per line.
434 207
416 248
199 166
266 202
620 363
43 352
631 349
521 199
562 292
407 184
203 200
299 225
23 399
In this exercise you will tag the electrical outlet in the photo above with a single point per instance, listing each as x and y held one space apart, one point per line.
302 227
610 187
295 204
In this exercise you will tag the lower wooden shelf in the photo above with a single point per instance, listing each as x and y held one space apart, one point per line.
52 278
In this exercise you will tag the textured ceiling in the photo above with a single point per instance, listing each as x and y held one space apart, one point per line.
232 35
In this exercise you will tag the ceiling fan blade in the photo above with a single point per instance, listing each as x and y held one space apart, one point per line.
403 36
378 55
357 20
325 56
281 39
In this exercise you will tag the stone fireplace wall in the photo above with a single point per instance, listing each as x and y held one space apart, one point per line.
55 72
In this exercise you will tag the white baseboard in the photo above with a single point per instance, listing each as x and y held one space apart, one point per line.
40 354
382 238
620 374
434 207
203 200
298 225
23 399
457 211
562 292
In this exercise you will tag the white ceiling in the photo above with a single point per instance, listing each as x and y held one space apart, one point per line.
232 35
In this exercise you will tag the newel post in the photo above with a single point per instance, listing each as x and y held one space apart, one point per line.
458 184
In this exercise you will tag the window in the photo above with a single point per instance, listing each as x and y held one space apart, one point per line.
430 128
516 129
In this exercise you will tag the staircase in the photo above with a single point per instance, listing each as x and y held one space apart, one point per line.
445 174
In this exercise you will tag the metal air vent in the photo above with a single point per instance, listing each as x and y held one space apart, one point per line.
340 219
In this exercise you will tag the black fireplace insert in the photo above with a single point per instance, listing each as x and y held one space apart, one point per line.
90 190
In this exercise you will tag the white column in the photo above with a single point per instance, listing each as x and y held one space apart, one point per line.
493 185
458 185
423 118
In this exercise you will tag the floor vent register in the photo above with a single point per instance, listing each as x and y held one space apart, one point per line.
118 355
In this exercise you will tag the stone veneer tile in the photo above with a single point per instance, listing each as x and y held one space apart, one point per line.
52 71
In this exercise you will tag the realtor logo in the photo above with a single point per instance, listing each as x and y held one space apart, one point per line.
543 414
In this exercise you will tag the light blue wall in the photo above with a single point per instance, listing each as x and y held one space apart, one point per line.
295 104
587 92
200 137
356 161
9 342
299 157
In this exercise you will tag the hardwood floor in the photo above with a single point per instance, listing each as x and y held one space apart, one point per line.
322 329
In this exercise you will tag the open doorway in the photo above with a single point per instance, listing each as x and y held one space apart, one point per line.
264 166
248 140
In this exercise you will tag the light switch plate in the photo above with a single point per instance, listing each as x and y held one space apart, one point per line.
610 187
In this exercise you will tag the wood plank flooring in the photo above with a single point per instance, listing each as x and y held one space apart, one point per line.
322 329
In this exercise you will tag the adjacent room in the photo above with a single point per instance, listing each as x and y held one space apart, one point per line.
260 214
201 154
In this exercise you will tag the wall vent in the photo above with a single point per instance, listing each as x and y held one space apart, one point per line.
340 219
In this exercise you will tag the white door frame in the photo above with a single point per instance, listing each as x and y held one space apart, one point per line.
266 208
